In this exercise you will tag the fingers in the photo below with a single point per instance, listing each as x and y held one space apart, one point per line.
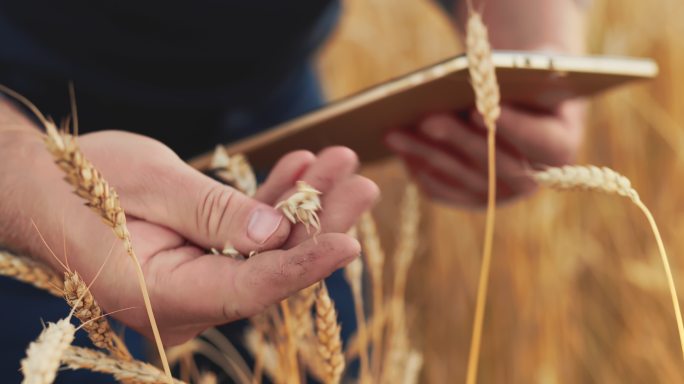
430 156
284 175
344 195
213 289
551 138
211 214
471 142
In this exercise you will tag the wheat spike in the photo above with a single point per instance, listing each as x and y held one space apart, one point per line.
591 178
328 334
86 309
102 199
303 206
234 170
606 180
487 99
353 273
31 272
130 371
482 70
43 355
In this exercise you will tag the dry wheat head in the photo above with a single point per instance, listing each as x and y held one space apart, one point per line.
303 206
129 371
482 70
44 354
234 170
328 334
31 272
590 178
86 309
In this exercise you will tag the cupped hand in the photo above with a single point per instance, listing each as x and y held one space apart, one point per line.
447 153
175 214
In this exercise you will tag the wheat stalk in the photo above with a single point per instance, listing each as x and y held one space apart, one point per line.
487 99
43 355
78 296
375 259
398 346
606 180
234 170
353 273
328 334
31 272
130 371
89 184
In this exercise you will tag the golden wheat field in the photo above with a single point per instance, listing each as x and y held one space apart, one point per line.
577 291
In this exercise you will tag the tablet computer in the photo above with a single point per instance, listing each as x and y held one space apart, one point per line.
360 121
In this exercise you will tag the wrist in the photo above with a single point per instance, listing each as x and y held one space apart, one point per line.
28 177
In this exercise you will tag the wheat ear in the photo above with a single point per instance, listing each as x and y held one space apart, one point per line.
31 272
43 355
606 180
487 97
89 184
234 170
328 334
96 361
78 296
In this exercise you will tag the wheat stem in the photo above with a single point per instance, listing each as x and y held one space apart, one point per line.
668 271
487 98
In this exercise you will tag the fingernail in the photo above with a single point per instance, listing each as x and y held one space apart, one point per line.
263 223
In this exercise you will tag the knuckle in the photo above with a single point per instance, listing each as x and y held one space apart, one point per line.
214 205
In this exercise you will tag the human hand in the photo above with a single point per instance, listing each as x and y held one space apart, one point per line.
447 153
174 213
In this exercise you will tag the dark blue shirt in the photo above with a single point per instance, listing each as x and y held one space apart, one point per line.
188 73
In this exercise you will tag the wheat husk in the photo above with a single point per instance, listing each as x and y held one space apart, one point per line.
30 271
43 355
130 371
302 206
81 300
328 335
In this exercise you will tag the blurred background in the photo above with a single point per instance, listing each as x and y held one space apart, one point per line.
578 293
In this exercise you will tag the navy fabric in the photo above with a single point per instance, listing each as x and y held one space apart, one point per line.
175 71
188 75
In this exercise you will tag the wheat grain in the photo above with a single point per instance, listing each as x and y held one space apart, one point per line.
303 206
487 99
592 178
78 296
328 334
43 355
606 180
96 361
31 272
234 170
482 70
89 184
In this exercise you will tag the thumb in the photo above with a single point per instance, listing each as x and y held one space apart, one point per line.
211 214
